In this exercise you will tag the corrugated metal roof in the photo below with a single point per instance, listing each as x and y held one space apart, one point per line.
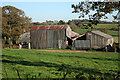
102 34
40 27
69 32
24 38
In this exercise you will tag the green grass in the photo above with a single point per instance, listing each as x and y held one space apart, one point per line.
110 32
116 39
113 33
82 31
107 26
33 63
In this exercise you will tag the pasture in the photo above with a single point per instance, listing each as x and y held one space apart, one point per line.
110 32
42 64
107 26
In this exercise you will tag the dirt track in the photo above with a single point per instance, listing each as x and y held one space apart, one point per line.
73 51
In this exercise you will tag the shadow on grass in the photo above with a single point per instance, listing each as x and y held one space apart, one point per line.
84 57
65 67
11 57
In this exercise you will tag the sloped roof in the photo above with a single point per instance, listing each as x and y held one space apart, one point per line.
40 27
102 34
24 38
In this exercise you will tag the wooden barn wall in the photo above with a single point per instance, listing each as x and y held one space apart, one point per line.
97 41
41 39
82 44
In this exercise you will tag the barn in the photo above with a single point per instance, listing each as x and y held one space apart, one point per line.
51 36
99 39
93 39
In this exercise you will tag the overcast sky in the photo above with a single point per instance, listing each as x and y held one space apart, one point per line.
42 11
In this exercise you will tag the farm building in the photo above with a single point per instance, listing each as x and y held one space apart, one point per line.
24 41
51 36
93 39
99 39
61 36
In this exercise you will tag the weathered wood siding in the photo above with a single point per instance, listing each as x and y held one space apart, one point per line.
48 38
96 41
82 44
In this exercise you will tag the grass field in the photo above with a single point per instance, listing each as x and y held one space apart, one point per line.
82 31
110 32
113 33
107 26
43 64
116 39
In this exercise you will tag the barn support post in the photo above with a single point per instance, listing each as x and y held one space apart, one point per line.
73 45
29 47
60 43
106 49
20 46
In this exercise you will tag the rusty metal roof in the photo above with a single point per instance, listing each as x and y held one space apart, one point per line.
69 32
41 27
